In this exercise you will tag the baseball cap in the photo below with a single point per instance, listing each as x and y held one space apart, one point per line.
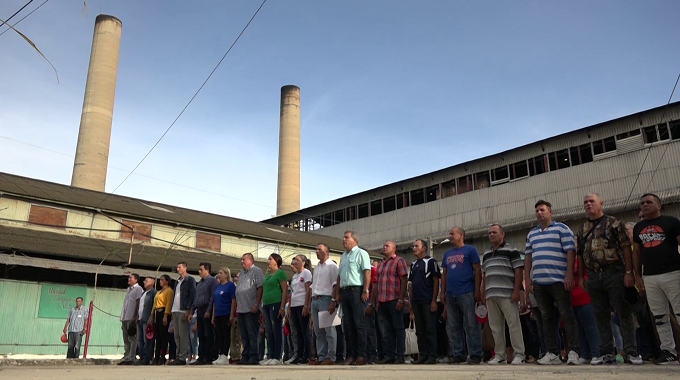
631 296
149 332
64 339
481 313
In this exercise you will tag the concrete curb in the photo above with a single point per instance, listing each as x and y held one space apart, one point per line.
53 362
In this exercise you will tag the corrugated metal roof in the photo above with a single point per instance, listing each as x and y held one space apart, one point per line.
121 206
83 248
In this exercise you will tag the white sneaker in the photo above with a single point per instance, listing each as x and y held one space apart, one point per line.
273 362
518 360
604 359
221 360
290 360
583 361
497 360
634 359
264 361
549 359
572 358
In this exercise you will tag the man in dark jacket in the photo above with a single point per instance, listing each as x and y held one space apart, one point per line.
185 292
144 345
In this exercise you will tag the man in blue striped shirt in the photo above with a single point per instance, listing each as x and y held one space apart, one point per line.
549 264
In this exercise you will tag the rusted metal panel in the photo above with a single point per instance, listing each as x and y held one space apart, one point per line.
48 216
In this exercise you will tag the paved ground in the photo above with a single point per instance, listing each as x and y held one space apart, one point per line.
440 371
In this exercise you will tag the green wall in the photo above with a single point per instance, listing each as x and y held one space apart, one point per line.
23 332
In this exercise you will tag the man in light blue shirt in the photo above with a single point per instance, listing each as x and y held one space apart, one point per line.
354 277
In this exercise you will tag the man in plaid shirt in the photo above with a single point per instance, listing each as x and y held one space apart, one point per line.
392 280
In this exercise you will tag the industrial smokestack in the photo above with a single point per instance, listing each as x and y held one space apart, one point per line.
92 151
288 187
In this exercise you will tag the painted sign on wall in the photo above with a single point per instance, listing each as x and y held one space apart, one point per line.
57 299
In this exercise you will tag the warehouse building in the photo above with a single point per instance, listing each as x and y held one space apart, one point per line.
58 241
621 159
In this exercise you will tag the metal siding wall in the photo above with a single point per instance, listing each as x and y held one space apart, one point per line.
41 335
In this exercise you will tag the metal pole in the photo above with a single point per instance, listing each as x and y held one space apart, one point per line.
87 333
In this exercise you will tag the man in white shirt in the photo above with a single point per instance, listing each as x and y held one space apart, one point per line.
324 284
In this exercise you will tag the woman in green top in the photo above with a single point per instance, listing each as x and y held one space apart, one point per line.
274 286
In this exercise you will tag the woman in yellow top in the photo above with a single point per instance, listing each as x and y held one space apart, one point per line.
162 307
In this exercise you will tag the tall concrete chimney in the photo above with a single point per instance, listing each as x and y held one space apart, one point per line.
288 187
92 151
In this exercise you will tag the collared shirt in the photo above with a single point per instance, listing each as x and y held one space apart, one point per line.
325 276
134 292
246 290
600 242
548 249
176 300
76 319
204 293
499 267
353 263
140 312
422 274
390 270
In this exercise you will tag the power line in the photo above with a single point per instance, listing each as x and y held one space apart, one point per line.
22 19
192 98
664 149
17 12
649 148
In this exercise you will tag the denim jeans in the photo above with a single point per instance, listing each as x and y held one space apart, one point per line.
249 326
353 321
606 292
74 340
547 297
372 338
144 345
460 315
206 336
588 337
392 330
532 341
426 329
326 337
301 326
274 330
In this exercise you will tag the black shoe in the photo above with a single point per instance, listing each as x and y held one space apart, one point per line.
125 362
300 361
421 360
372 361
474 360
666 358
385 361
431 361
177 362
399 360
456 360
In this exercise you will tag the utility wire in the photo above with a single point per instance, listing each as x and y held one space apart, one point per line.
190 100
17 12
22 19
649 148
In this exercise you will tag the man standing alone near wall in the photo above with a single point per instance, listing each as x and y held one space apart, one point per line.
76 327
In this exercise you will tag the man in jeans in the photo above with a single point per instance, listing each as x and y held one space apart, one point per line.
324 284
657 242
424 277
128 318
144 344
248 298
462 277
390 292
550 250
76 326
354 277
185 292
604 250
203 306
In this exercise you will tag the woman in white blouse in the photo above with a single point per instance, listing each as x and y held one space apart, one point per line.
300 304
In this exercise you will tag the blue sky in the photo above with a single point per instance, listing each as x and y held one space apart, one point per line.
389 89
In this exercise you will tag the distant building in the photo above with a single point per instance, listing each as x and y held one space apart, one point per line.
502 188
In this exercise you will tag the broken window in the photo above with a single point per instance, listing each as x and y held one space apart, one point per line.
537 165
465 184
403 200
363 210
417 197
376 207
519 170
581 154
481 180
432 193
604 145
389 204
449 188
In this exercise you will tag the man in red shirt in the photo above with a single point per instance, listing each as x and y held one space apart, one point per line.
391 284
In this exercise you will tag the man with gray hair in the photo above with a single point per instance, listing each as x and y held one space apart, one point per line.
324 286
604 250
248 297
128 319
354 277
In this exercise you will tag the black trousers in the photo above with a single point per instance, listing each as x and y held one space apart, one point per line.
223 331
160 333
426 329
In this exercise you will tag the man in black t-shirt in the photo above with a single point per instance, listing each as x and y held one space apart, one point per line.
656 240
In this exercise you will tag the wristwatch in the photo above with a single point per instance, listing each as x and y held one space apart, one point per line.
366 291
629 272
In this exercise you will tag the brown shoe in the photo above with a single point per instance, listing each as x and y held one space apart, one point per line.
360 361
348 361
327 361
315 362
